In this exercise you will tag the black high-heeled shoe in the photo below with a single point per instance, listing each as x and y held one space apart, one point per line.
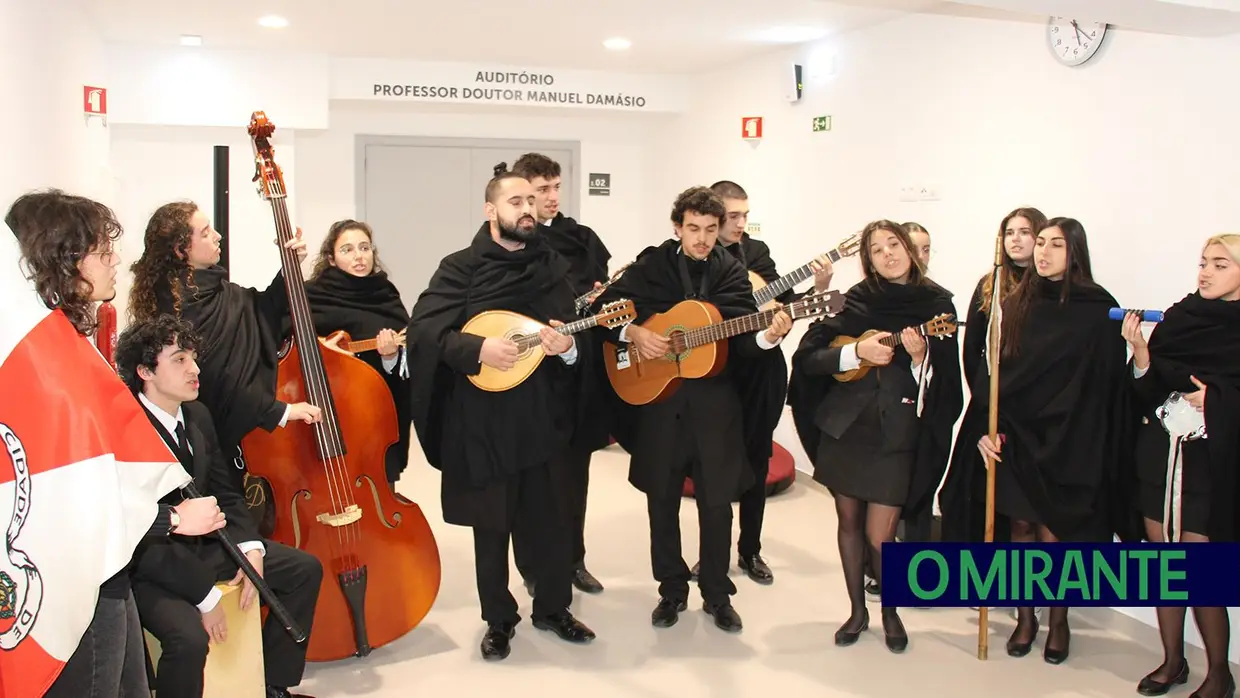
1150 686
893 630
1059 656
845 637
1020 649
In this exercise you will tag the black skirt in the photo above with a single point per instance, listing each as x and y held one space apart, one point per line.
858 465
1153 445
1010 499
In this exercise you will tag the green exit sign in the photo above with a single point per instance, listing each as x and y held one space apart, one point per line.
822 123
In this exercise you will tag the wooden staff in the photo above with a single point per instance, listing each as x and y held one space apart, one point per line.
992 357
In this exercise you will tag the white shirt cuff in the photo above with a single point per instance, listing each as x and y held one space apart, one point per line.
252 545
1139 372
389 362
848 358
284 419
762 342
208 604
570 356
624 333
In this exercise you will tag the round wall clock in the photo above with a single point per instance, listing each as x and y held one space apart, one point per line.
1074 41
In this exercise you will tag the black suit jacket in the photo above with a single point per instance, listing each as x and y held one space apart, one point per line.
189 566
892 386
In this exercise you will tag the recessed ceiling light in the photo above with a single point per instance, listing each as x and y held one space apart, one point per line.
191 40
617 43
791 35
273 22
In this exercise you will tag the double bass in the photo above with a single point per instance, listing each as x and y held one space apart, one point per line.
331 497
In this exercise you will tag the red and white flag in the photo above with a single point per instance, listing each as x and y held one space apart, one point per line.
81 470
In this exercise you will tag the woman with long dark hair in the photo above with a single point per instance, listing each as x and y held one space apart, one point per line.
1060 381
349 290
963 497
1186 379
880 442
67 246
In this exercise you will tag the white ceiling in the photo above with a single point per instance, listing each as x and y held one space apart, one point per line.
669 36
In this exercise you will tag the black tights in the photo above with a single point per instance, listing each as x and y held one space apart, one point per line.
862 525
1057 636
1212 623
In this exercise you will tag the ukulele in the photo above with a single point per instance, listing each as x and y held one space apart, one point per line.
764 294
939 326
523 331
584 300
357 346
697 346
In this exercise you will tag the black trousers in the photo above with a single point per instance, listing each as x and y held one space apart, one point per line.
752 509
577 470
714 542
294 577
537 519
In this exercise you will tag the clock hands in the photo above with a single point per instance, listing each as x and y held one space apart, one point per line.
1077 28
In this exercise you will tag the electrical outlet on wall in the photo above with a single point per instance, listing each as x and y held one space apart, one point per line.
909 193
928 193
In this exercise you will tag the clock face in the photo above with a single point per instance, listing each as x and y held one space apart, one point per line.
1074 41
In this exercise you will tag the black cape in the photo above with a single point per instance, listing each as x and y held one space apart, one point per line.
1201 338
361 306
476 438
655 283
239 352
587 259
763 381
1062 410
884 306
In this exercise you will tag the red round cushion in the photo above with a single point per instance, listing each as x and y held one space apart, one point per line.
779 477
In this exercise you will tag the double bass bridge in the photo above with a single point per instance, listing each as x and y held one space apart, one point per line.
351 514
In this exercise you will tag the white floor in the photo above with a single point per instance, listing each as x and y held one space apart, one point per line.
786 645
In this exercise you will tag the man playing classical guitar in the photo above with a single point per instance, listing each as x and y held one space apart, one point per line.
501 453
174 580
697 431
587 258
763 383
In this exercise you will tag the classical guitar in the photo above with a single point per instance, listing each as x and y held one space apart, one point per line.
940 326
584 300
523 331
697 336
764 294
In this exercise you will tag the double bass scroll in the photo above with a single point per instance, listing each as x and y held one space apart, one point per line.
329 483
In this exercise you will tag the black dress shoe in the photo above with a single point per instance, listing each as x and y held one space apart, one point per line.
1020 649
495 643
726 617
566 626
693 573
893 630
277 692
667 613
873 589
584 581
1151 686
846 636
756 568
1228 692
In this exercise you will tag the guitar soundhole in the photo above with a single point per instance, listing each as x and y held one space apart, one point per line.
524 346
676 349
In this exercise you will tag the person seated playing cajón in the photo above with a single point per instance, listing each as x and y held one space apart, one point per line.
174 580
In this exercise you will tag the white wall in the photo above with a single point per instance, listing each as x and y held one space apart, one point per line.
43 137
1140 145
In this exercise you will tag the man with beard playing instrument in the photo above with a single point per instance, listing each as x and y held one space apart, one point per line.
763 382
587 257
698 430
501 454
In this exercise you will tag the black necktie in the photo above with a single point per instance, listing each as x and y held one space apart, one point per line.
183 452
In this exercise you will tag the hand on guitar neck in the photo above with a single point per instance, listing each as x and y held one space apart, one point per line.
874 350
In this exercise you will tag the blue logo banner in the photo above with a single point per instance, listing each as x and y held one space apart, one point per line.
1061 574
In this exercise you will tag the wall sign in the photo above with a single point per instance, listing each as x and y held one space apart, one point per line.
822 123
95 102
600 184
751 127
392 80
